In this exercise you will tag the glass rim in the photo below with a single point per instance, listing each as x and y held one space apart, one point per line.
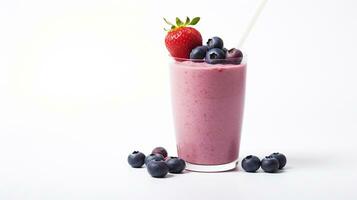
226 61
229 61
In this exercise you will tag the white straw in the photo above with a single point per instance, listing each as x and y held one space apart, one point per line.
252 22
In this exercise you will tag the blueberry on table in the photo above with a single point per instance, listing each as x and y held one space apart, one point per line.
234 56
251 163
198 53
176 165
281 158
136 159
215 42
215 56
157 168
160 150
270 164
153 156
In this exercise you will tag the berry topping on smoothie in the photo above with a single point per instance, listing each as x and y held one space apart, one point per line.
198 53
215 42
181 38
185 42
234 56
215 56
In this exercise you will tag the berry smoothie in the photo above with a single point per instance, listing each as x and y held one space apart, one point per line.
208 103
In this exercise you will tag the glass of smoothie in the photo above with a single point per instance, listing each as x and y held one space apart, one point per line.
207 87
207 102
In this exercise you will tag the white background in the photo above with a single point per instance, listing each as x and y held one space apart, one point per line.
85 82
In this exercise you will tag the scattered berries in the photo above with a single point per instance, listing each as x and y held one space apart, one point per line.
157 168
176 165
156 164
160 150
136 159
153 156
270 164
251 163
281 158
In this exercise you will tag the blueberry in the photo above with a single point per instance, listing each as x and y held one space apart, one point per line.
215 42
251 163
176 165
234 56
198 53
136 159
281 158
215 56
225 50
153 156
160 150
157 168
270 164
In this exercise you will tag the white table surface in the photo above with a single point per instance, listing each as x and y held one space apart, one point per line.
55 157
81 86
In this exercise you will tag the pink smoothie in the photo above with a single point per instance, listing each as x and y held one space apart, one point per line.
208 105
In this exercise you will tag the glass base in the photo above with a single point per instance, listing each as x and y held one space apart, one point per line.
211 168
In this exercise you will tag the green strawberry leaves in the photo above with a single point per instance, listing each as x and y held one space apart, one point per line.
180 23
187 21
169 23
195 21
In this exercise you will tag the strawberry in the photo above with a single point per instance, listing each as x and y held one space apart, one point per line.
181 39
